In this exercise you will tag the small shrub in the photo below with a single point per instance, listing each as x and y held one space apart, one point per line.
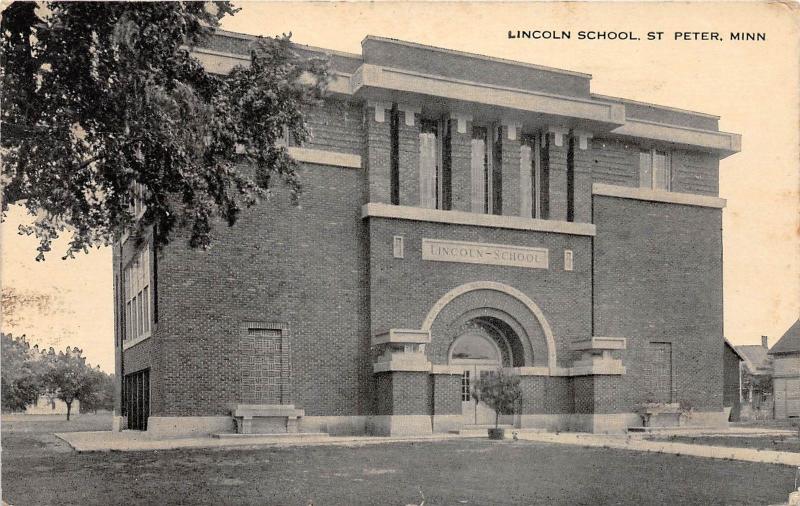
501 392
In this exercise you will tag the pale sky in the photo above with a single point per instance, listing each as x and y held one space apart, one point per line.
752 86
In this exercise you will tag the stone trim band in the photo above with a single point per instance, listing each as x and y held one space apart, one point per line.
669 197
377 210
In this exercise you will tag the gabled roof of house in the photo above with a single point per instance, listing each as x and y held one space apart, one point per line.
790 342
756 358
732 347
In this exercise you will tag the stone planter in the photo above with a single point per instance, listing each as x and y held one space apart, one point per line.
498 433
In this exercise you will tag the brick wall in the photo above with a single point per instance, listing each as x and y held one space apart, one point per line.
403 393
378 155
402 291
408 137
614 162
301 266
694 172
546 395
410 393
511 178
336 125
557 161
730 367
583 162
601 394
658 278
617 162
446 394
461 157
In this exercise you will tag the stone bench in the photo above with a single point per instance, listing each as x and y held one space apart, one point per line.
266 418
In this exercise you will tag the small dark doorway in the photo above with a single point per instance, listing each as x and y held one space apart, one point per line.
136 399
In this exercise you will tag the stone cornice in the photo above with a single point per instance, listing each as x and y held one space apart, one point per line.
687 199
722 143
377 77
378 210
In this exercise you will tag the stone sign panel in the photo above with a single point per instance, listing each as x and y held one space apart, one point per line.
484 253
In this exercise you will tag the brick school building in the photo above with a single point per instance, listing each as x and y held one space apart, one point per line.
461 214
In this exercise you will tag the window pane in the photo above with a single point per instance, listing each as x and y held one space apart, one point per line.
478 170
427 170
660 181
497 171
128 327
645 170
525 182
139 319
134 311
146 309
475 347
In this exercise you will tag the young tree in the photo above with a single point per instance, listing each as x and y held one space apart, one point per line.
67 375
103 99
21 384
501 392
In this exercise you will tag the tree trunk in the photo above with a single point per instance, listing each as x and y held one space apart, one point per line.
496 418
69 408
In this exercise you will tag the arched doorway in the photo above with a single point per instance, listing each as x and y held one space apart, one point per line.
479 350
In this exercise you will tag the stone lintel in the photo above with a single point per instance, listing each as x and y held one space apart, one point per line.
599 343
402 336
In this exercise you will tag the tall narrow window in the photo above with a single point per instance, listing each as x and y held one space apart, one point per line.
394 163
428 164
655 171
479 169
137 295
497 170
530 176
526 180
136 205
571 179
446 191
544 178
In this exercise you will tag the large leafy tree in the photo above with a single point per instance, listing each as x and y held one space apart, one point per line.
20 372
101 98
67 376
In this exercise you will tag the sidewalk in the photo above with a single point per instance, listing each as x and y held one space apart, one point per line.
99 441
636 443
130 441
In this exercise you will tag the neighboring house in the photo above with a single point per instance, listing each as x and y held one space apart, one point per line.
786 377
461 213
50 405
732 380
756 391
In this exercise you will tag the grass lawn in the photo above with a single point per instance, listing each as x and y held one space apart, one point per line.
776 443
40 469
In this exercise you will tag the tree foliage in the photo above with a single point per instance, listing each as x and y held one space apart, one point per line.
500 391
28 373
66 375
20 372
104 98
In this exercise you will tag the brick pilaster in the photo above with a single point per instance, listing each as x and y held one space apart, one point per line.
583 178
558 173
409 157
511 177
461 156
378 151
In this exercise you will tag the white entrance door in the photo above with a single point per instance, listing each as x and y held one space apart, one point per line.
478 357
475 412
